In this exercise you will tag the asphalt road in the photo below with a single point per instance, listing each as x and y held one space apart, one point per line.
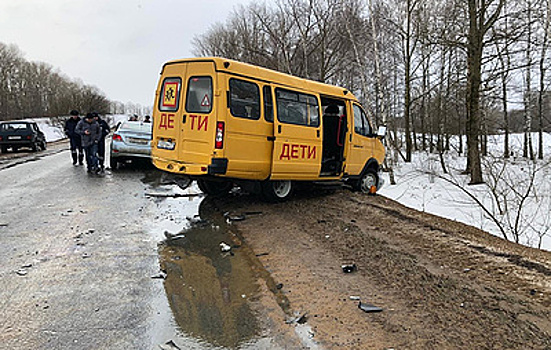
77 257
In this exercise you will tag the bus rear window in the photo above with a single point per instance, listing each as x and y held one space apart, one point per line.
199 95
169 100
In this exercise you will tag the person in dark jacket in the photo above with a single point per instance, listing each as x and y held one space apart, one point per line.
90 133
101 144
74 138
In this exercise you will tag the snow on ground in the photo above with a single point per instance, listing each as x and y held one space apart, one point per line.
422 185
53 127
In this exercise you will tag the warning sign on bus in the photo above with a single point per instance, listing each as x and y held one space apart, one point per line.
170 94
205 102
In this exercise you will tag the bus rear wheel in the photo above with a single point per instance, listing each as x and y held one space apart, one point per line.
277 191
214 188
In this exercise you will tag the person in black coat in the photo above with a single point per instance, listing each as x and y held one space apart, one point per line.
101 144
74 138
90 133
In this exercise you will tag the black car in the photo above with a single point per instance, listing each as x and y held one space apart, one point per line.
18 134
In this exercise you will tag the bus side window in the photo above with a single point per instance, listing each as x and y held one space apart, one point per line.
361 123
268 104
297 108
244 99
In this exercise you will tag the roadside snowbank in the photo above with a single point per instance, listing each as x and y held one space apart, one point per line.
422 185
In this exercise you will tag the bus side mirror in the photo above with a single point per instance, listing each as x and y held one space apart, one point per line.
382 131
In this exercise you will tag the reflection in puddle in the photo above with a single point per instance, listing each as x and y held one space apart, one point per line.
209 291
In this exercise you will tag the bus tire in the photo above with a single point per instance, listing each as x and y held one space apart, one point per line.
368 179
214 188
277 191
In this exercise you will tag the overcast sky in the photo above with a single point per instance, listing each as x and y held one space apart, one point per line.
118 46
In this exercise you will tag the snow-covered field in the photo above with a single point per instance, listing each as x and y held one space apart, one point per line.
422 185
524 215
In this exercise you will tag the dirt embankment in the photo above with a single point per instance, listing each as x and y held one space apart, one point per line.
442 284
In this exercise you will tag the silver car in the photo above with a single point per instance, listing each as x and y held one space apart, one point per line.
131 140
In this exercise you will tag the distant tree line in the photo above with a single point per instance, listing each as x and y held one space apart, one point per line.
36 89
429 69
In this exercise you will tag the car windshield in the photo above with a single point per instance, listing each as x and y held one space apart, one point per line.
14 126
136 127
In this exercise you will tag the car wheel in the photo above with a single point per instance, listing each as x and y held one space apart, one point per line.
368 182
43 145
277 191
34 146
214 188
113 163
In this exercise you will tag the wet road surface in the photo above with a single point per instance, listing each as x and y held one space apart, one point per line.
105 262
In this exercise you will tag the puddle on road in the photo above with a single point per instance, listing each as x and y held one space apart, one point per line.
210 293
209 290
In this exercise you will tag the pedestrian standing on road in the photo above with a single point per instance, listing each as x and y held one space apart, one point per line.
90 133
101 144
74 138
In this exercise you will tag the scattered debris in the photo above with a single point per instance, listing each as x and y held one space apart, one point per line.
26 266
533 292
86 255
161 275
21 272
3 224
354 297
279 285
237 218
300 319
172 236
169 345
466 270
224 247
349 268
368 307
262 254
327 236
173 195
252 213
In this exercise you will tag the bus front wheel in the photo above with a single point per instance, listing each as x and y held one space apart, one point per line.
368 182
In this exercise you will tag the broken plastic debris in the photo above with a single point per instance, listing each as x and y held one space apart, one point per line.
224 247
161 275
349 268
354 297
300 319
172 236
169 345
368 307
21 272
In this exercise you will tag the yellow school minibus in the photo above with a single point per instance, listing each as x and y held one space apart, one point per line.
226 123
